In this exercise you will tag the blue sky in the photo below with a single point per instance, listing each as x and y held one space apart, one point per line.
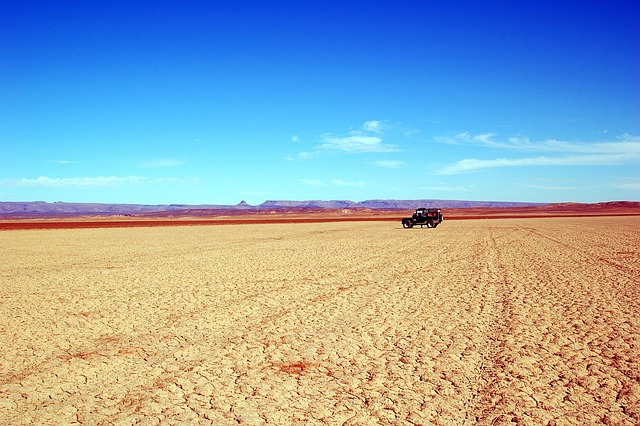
214 102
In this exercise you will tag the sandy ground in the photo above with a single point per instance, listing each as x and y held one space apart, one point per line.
507 321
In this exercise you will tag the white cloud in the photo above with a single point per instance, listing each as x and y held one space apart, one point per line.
301 156
355 144
373 126
389 164
604 153
467 138
61 161
366 139
81 182
624 144
304 155
472 164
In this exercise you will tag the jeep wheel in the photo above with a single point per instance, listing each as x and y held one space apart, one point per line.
430 224
407 224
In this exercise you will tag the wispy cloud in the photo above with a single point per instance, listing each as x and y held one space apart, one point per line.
301 156
356 144
389 164
366 139
605 153
623 144
375 126
79 182
61 161
472 164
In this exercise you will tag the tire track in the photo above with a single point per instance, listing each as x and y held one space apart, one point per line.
564 349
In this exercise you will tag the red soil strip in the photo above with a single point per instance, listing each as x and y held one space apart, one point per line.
81 224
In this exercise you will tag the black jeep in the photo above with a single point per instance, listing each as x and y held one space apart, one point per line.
423 217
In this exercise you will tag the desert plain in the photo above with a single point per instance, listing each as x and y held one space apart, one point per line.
528 321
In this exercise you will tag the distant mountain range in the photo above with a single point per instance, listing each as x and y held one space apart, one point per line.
43 209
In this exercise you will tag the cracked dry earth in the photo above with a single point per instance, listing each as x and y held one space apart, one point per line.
510 321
